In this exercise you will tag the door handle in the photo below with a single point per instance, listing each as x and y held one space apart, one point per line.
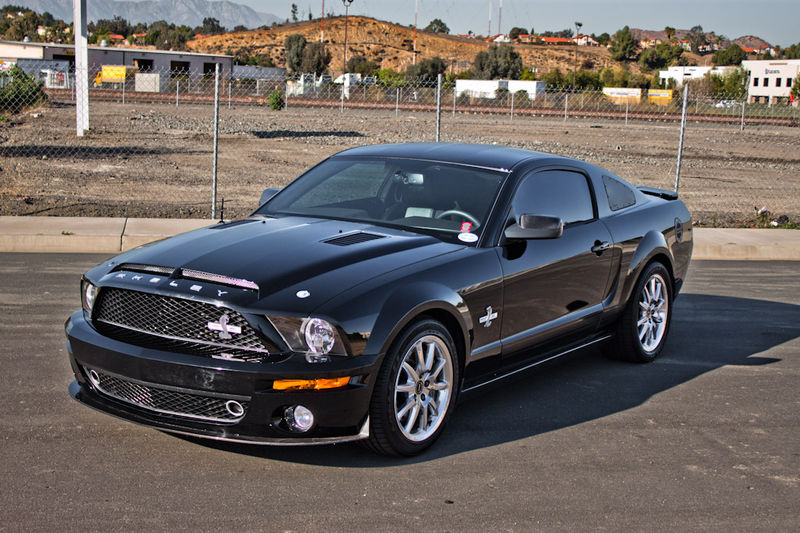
600 247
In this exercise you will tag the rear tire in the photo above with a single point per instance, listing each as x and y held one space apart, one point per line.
641 331
415 391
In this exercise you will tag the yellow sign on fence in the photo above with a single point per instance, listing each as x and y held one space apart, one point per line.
622 95
115 73
660 96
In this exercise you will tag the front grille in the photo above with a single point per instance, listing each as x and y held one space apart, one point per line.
168 401
179 325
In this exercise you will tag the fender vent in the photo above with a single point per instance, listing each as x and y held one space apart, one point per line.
354 238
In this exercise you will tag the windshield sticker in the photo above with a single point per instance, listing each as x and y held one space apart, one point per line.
466 226
467 237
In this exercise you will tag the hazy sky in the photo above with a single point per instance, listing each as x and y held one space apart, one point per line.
777 21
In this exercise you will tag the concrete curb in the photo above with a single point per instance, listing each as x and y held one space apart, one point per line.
114 235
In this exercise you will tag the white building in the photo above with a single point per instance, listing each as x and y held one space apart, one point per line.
771 80
680 74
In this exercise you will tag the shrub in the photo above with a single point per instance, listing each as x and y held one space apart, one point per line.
22 92
276 100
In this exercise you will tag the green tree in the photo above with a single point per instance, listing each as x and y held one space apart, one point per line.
211 26
623 46
603 39
361 65
732 84
294 45
733 55
294 12
669 31
315 58
661 56
23 92
796 88
437 26
792 52
499 61
516 32
387 77
427 69
696 38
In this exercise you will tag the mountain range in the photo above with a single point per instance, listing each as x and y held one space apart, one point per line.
187 12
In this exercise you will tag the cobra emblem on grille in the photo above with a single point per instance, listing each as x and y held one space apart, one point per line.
225 329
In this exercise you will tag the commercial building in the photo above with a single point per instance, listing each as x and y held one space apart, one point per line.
771 80
145 60
681 74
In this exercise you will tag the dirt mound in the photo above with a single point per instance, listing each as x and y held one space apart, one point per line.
391 45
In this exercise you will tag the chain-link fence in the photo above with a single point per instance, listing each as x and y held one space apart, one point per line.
150 149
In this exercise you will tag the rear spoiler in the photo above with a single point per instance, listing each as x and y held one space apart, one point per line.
661 193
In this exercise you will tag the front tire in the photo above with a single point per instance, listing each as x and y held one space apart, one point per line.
642 329
415 390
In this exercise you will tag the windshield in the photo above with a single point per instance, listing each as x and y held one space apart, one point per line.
447 200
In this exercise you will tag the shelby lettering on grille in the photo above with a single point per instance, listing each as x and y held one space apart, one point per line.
176 324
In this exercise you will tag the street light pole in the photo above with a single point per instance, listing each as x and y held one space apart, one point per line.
578 26
346 8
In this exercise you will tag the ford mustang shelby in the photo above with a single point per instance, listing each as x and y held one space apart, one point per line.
359 301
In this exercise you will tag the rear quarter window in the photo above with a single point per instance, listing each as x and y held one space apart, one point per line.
619 194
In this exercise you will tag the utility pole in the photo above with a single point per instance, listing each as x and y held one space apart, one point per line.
416 10
322 25
500 18
346 7
578 26
489 32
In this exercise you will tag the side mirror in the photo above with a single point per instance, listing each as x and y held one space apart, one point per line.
535 227
267 194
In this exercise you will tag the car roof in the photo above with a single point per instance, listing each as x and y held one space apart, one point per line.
479 155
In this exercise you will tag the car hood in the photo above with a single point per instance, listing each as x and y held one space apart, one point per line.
285 255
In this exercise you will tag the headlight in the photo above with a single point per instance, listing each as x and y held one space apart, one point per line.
88 295
320 336
313 336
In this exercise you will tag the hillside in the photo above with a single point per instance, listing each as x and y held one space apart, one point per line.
390 45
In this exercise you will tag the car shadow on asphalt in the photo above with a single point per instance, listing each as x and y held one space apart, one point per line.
708 332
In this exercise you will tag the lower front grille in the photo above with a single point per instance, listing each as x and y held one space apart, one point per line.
168 400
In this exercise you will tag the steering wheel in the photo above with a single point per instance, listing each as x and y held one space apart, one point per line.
462 214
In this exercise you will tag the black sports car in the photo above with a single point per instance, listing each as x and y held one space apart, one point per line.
359 301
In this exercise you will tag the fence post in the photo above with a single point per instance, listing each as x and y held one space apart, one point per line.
397 102
229 94
438 106
341 104
124 79
566 105
454 101
741 125
626 111
512 106
216 142
286 95
680 139
177 91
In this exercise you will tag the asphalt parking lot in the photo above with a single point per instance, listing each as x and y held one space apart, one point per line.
706 438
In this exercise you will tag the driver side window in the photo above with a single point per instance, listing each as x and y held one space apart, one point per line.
558 193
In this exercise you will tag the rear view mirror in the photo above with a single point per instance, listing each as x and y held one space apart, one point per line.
267 194
535 227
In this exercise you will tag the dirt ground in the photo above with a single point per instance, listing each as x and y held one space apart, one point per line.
155 160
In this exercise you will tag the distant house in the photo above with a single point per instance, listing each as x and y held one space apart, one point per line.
499 38
116 38
649 43
555 40
584 40
527 38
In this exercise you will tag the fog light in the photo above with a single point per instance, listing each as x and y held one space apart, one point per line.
299 418
234 408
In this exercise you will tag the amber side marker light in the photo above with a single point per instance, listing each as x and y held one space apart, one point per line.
310 384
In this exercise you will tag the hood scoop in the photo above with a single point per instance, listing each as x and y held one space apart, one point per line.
353 238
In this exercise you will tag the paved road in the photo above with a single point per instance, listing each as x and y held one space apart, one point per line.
706 438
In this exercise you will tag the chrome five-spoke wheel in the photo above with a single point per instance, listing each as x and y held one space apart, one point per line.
423 387
653 310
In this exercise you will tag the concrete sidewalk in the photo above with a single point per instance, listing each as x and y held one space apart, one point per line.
113 235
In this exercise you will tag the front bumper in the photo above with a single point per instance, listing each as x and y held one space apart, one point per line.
340 414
